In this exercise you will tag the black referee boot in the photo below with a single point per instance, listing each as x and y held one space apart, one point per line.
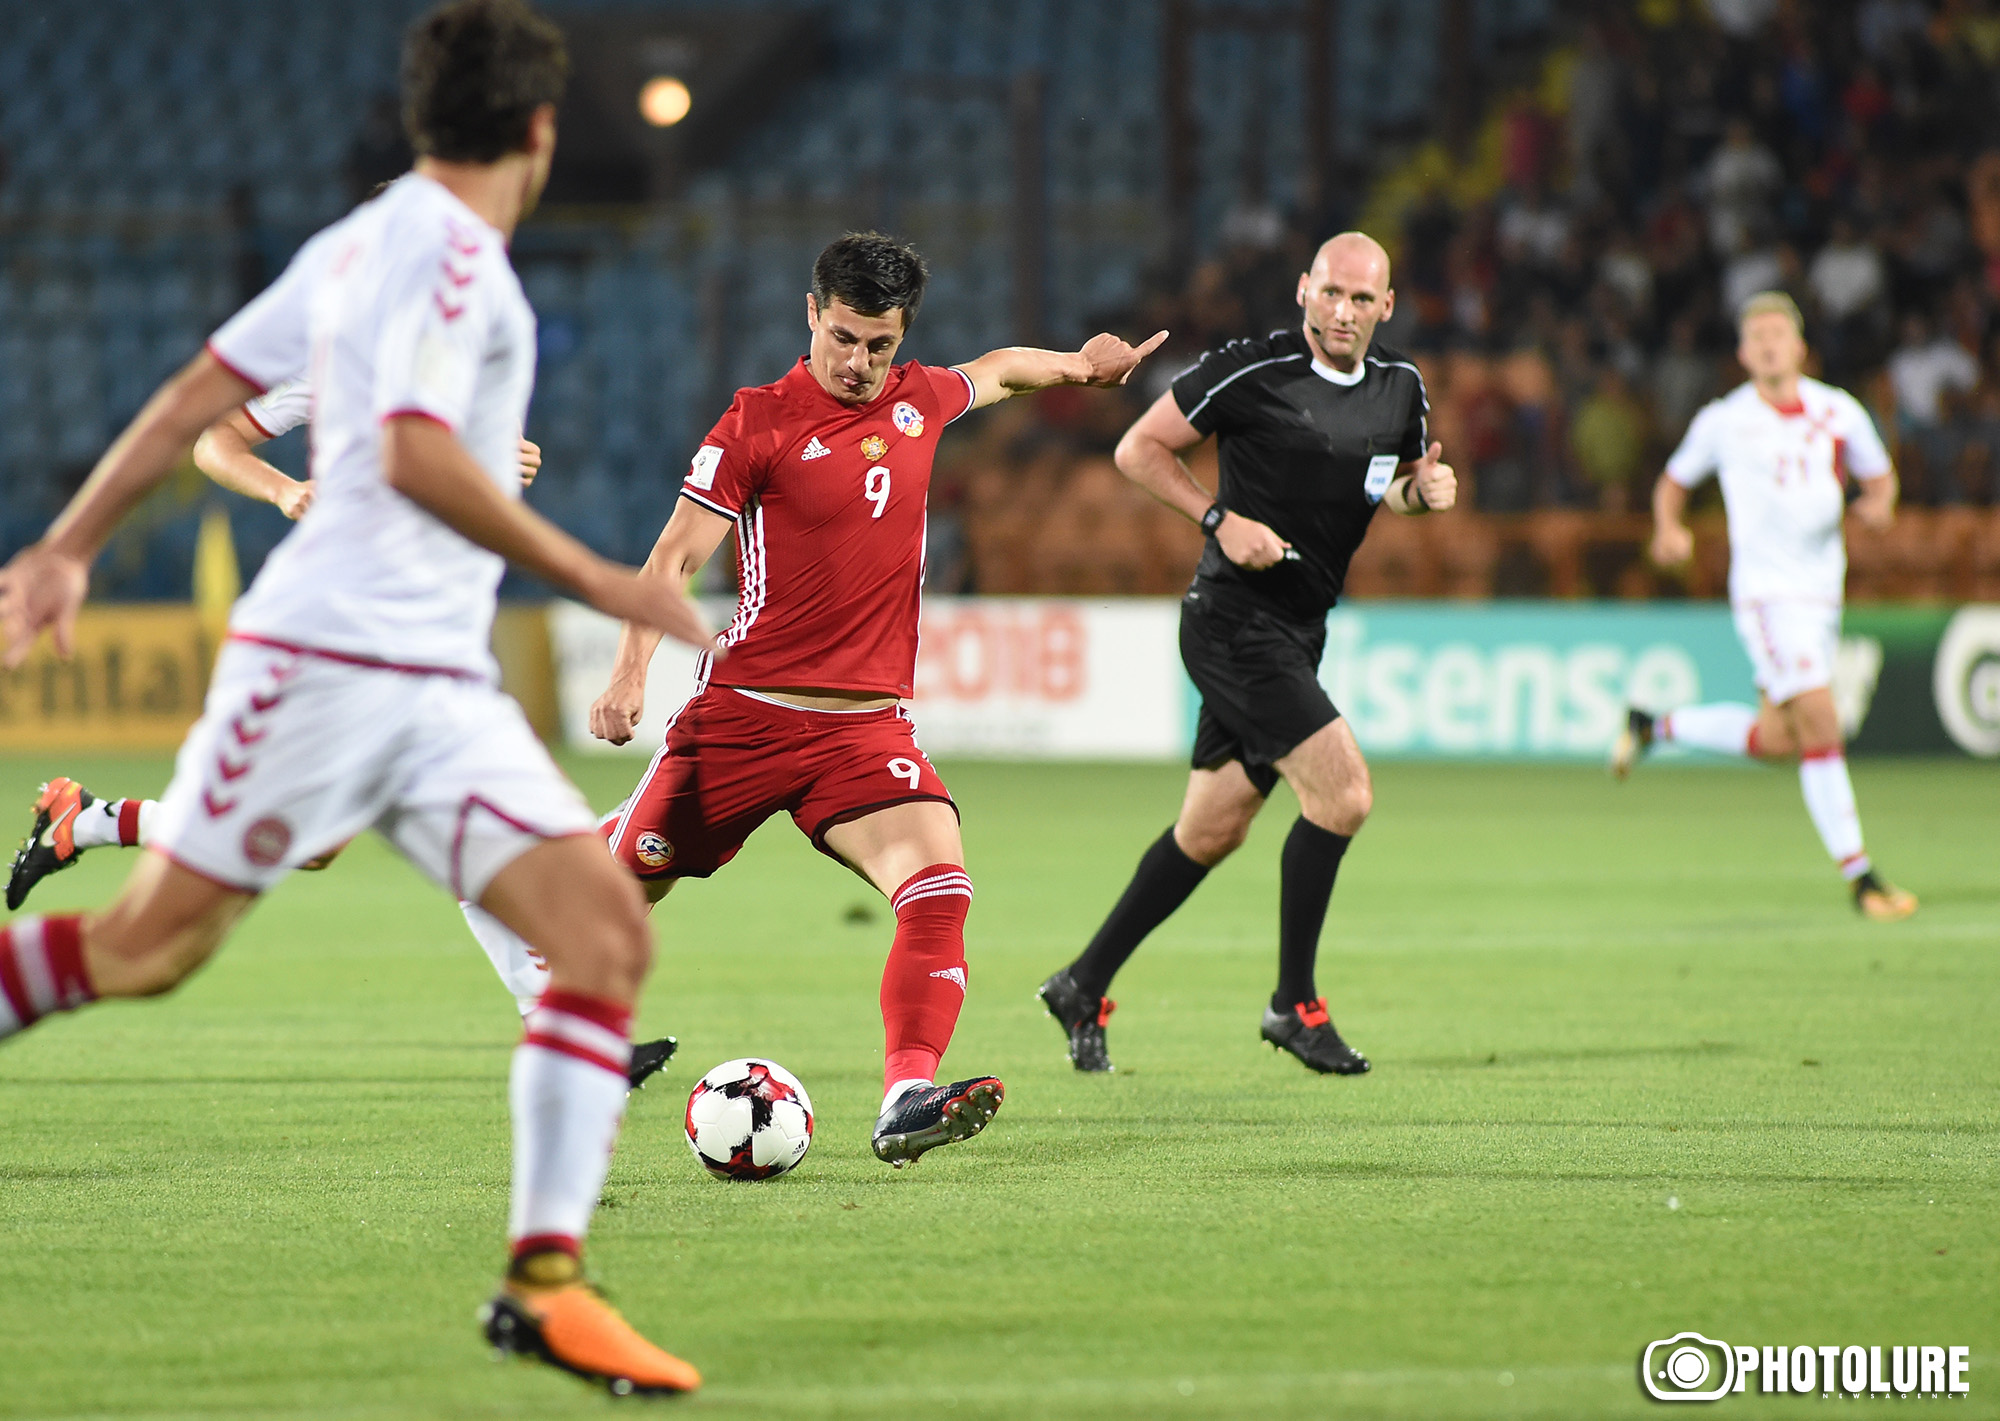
1307 1032
1082 1016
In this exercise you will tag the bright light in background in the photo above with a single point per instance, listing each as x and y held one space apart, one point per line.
664 101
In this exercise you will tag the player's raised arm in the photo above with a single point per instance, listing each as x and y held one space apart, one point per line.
423 461
44 583
224 453
690 538
1104 361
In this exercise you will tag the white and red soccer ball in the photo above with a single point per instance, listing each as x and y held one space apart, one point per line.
749 1119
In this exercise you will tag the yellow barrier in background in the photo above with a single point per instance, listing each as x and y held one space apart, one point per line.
135 683
141 669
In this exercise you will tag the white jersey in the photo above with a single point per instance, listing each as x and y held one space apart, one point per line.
1783 478
280 409
407 306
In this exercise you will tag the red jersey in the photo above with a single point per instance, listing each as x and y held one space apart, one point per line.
828 500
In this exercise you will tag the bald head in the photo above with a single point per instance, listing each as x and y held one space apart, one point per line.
1354 250
1345 296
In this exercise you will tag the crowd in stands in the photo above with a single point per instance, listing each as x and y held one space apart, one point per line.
1569 283
1580 312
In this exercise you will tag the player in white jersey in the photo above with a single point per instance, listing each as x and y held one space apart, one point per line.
357 688
1783 446
68 820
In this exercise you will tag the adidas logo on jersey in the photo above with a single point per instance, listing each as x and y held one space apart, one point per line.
815 450
953 974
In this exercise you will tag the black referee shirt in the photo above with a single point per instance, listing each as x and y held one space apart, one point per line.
1306 455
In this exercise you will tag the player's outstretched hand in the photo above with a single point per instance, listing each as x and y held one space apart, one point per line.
1673 544
531 460
615 714
39 588
1248 543
1111 361
1436 484
294 501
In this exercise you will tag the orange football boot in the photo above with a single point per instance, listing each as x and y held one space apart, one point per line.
1882 902
568 1324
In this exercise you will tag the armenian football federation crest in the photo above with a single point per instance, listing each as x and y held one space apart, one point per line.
875 446
654 851
907 418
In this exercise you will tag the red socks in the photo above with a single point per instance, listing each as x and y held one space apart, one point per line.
41 970
923 983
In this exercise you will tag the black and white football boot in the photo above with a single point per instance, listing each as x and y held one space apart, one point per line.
924 1117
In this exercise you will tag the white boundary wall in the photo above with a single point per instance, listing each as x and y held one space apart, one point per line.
1016 677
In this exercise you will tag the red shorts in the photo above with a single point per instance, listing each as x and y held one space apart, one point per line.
733 760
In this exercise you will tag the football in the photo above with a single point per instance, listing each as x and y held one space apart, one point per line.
749 1119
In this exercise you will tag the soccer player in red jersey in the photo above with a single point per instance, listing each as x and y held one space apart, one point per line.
824 476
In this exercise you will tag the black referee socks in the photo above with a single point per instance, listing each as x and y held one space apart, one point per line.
1309 865
1163 881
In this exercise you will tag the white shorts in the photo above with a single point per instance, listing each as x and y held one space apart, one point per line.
1791 644
297 752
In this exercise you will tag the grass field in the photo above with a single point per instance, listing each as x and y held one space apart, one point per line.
280 1192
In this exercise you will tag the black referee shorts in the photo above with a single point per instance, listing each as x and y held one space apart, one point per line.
1258 675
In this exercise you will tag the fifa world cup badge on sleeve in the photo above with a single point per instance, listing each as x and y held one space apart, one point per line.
907 418
701 473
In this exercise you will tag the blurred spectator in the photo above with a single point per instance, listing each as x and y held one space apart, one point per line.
1755 269
1625 268
1924 370
1742 182
1683 380
1848 287
1533 230
1594 83
1608 439
1846 277
1927 373
1742 18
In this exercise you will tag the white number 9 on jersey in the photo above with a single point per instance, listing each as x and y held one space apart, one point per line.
877 490
906 770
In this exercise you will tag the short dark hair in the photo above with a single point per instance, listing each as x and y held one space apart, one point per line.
871 273
474 72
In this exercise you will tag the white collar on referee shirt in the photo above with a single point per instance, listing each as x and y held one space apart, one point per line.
1340 377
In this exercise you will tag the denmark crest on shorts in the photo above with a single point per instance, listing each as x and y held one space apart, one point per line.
653 851
907 418
265 842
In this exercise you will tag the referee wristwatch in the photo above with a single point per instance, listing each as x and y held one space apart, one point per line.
1212 519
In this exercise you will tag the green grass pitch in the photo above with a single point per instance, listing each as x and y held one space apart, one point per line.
280 1192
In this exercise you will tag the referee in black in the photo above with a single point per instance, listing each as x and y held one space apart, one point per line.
1315 431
